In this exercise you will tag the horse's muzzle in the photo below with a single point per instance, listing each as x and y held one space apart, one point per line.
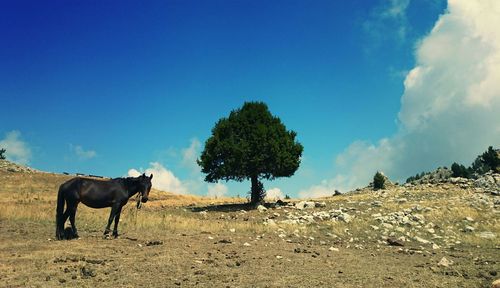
144 199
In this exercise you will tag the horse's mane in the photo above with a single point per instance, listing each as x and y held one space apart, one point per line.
125 180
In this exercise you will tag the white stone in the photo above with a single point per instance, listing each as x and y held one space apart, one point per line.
261 208
445 262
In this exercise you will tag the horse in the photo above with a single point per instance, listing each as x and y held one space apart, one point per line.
113 193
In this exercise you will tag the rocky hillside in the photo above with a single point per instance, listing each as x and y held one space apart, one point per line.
8 166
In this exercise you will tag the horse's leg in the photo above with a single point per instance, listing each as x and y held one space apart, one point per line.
117 219
72 215
112 215
60 229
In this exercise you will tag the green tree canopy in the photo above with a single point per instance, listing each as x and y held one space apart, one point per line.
2 153
250 144
378 181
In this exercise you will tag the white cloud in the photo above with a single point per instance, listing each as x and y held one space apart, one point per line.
274 194
217 190
449 108
81 153
388 16
190 154
16 149
163 179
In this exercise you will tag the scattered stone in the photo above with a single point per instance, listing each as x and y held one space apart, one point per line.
445 262
320 204
495 284
246 244
401 200
279 257
395 242
435 246
261 208
87 272
469 219
154 242
421 240
305 205
232 230
334 249
487 235
469 229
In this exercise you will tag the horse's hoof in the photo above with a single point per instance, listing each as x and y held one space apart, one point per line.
106 237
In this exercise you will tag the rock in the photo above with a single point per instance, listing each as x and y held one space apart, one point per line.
305 204
435 246
469 219
487 235
401 200
270 222
334 249
345 217
469 229
421 240
445 262
279 257
232 230
87 272
387 226
154 242
320 204
246 244
261 208
395 242
376 204
495 284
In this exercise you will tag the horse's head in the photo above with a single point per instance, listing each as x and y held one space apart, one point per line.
145 187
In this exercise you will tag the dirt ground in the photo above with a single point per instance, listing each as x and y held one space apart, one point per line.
173 245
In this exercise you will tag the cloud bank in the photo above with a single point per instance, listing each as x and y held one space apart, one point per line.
217 190
163 179
16 149
450 105
274 194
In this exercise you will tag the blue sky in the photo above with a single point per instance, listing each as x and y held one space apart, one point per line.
102 87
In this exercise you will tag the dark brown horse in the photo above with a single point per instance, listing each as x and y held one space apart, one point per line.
98 194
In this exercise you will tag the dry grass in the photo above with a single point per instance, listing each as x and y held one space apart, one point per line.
32 197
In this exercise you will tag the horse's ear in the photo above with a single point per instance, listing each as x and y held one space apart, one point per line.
151 177
143 175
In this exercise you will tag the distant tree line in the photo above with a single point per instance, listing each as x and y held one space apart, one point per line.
488 161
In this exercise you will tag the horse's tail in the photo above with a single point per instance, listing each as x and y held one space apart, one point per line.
59 213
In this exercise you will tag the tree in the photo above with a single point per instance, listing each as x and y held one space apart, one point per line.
250 144
2 153
460 171
378 181
489 160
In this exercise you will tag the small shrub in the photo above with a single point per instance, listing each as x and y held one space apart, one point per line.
2 153
378 181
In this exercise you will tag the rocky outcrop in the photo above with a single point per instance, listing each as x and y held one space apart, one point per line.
490 182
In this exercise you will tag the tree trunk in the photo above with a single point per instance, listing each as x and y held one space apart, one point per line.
257 193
